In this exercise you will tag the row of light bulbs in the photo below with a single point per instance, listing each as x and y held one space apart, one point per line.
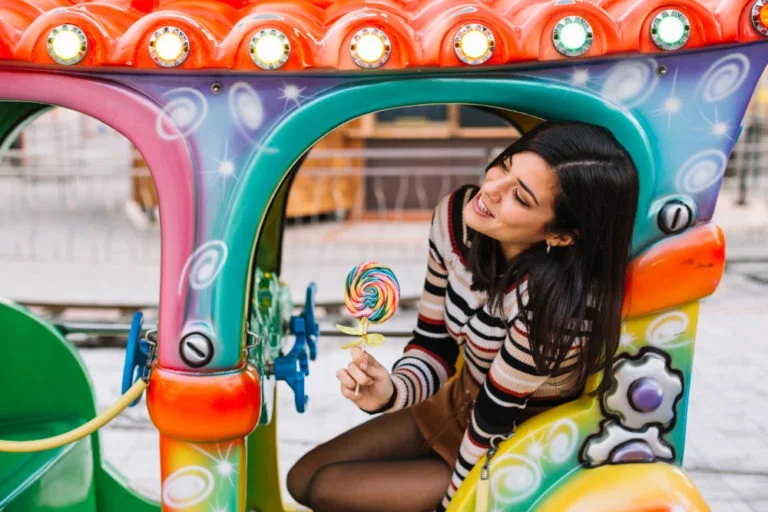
370 47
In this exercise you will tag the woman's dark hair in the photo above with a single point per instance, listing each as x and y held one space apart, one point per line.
579 287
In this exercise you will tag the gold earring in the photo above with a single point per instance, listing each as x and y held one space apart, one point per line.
548 247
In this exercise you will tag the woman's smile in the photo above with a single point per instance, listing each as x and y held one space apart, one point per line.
480 207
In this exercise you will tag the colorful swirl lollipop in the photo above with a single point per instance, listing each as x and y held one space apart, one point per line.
371 295
372 292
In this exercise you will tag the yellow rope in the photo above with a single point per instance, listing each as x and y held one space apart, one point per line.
80 432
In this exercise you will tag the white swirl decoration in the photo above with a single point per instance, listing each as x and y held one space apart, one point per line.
246 107
665 331
186 109
188 486
562 441
514 478
630 83
204 265
723 78
701 171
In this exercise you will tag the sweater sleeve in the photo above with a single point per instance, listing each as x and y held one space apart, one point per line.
430 357
511 380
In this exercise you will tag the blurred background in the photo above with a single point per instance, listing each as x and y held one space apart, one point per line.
80 245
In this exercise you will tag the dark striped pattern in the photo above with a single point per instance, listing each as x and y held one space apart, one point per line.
454 317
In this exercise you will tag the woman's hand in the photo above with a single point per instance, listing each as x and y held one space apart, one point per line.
376 386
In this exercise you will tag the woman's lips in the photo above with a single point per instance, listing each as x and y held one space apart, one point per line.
480 207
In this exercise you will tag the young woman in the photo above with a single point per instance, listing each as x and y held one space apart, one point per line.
526 280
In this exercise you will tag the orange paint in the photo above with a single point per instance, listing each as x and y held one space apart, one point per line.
204 407
421 31
677 270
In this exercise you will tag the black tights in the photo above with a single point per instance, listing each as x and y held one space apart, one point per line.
381 465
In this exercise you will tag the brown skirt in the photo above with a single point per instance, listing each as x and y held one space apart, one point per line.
443 417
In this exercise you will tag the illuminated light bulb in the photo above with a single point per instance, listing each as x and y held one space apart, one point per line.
270 49
474 44
759 16
370 48
572 36
670 29
67 44
169 47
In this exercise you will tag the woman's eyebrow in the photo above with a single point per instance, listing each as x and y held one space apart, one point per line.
522 184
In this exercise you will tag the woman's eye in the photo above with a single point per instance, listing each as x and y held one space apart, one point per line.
519 199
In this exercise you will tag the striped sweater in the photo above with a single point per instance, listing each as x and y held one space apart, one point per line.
453 318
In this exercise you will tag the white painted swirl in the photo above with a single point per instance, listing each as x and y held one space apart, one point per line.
562 440
186 109
701 171
630 83
666 330
514 478
188 486
246 107
204 265
723 78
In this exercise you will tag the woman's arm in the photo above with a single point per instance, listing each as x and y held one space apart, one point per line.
430 357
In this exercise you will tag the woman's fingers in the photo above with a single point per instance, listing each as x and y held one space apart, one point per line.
347 382
368 363
348 393
359 375
364 359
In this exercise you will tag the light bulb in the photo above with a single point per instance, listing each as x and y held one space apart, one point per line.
572 36
169 47
270 49
670 29
67 44
474 44
370 48
759 16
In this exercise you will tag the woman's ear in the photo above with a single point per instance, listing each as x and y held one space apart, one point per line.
562 239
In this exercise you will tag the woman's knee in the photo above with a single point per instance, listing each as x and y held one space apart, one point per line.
324 488
298 479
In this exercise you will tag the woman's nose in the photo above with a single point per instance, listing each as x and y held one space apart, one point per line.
496 188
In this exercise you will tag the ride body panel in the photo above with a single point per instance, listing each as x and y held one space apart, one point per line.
221 147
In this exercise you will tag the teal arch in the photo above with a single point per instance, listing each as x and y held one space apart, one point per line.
305 126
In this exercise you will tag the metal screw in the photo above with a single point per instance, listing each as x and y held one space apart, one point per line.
217 88
196 349
662 69
674 217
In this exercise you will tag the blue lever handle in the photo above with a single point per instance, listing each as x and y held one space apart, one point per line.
136 355
293 366
311 326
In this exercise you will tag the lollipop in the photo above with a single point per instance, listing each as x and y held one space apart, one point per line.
371 295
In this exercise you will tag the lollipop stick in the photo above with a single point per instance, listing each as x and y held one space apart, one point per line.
364 323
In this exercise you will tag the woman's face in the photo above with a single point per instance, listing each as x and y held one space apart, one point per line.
515 203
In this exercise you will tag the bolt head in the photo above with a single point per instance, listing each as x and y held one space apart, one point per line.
674 217
196 349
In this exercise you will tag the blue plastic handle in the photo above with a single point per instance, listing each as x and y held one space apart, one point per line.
136 355
293 366
313 329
